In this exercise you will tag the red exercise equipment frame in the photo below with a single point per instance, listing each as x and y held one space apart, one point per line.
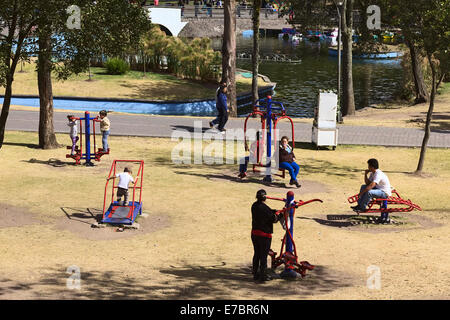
290 260
408 205
276 117
137 184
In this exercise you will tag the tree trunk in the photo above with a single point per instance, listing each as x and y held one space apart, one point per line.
426 136
255 54
5 108
419 84
47 138
229 54
348 96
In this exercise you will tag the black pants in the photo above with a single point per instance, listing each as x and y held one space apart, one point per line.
221 119
261 246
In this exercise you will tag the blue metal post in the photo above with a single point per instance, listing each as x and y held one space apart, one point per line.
87 135
268 177
289 200
288 272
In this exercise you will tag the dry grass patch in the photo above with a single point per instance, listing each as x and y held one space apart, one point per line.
204 252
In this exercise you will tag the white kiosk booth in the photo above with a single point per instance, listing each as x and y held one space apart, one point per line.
324 130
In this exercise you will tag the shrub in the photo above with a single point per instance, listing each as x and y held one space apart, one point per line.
116 66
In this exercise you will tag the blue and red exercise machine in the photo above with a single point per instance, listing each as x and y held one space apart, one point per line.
270 116
288 252
126 214
87 155
400 204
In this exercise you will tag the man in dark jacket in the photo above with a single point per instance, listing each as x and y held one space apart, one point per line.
263 219
222 108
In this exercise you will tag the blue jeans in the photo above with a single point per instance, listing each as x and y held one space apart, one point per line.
105 135
369 195
293 169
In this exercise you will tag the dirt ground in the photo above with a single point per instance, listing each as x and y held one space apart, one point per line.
195 241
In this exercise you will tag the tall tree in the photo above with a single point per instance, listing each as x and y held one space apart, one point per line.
394 14
433 35
255 55
348 96
107 27
17 18
229 54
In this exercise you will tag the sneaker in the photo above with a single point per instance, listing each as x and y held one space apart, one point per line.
242 175
223 131
211 124
354 207
297 184
265 277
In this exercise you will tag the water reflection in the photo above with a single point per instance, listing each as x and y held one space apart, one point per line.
299 83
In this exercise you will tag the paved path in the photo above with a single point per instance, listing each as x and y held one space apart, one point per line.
163 126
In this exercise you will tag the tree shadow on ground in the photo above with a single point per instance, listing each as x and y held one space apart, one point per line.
193 129
348 220
175 91
311 146
82 214
18 144
51 162
233 178
187 282
313 166
442 126
309 166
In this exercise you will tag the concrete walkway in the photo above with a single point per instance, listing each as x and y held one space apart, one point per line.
163 126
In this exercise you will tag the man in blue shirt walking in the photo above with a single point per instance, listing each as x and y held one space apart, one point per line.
221 105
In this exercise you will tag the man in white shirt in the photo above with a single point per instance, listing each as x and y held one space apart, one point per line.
376 185
122 188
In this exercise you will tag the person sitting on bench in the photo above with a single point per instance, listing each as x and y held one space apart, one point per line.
376 186
287 161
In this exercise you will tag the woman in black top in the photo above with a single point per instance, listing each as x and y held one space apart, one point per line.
263 219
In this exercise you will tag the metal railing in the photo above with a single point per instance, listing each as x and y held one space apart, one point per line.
204 12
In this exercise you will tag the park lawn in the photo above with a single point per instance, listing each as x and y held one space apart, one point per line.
133 85
203 251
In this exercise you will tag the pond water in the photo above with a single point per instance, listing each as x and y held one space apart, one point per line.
298 84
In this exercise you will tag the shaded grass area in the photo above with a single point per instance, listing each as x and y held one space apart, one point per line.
132 85
206 251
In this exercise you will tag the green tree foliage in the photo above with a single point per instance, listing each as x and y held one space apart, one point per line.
193 59
40 27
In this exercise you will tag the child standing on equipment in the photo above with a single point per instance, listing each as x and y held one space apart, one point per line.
104 128
122 188
73 132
